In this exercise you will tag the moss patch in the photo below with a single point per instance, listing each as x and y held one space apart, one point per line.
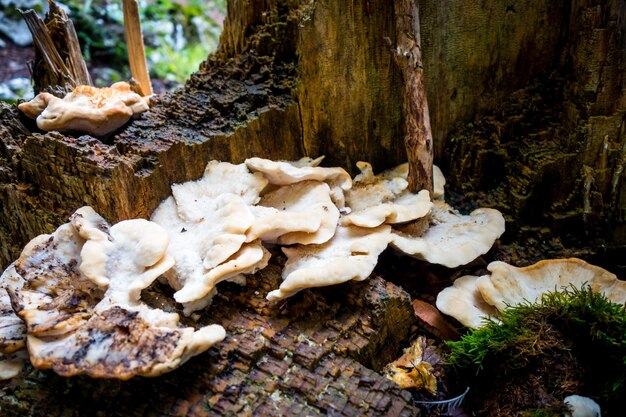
573 342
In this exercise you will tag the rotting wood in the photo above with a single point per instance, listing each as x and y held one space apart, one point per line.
314 354
136 50
418 140
59 65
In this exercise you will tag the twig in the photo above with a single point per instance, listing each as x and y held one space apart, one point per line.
418 139
136 51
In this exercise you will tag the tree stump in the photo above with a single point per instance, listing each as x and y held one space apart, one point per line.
294 78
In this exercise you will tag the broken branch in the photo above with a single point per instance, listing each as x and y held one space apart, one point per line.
418 139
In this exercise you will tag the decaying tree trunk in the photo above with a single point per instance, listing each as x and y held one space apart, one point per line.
59 65
316 77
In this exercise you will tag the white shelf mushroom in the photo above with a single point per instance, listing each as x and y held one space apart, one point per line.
402 171
453 239
471 299
374 200
206 250
509 285
351 254
81 301
219 178
464 302
297 208
87 109
291 172
12 330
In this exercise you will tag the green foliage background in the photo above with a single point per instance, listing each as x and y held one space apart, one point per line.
178 35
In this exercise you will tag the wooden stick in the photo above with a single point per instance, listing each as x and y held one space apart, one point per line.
59 65
418 139
56 72
136 51
61 27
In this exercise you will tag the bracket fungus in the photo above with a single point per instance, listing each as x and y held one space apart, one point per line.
295 210
452 239
81 303
471 299
509 285
219 178
402 171
87 109
12 330
351 254
464 302
374 200
209 250
291 172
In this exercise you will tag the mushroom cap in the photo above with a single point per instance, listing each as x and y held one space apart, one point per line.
203 246
87 109
402 171
464 302
377 199
75 326
351 254
329 213
219 178
509 285
299 207
580 406
285 173
404 208
453 239
249 259
12 329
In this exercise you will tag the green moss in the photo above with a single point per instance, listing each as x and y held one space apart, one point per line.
572 341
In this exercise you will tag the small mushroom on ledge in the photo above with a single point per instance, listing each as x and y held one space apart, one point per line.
87 109
464 302
471 299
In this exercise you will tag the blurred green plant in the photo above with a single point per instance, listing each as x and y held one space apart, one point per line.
178 34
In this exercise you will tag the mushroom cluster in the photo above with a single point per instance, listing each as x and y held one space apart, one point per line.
332 227
87 109
472 299
78 294
75 295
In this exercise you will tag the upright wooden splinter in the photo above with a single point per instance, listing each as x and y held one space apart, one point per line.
418 139
136 51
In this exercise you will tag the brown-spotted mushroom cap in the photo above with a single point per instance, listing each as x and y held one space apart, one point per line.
464 302
200 247
87 109
301 207
374 200
219 178
110 335
12 329
402 171
509 285
453 239
351 254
